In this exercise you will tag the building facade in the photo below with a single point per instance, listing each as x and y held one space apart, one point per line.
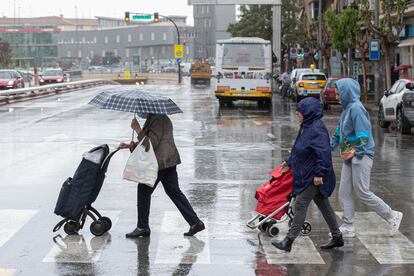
139 47
210 24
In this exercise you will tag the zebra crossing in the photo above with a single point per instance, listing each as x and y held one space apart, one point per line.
173 248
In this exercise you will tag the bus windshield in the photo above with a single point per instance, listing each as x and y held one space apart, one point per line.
249 55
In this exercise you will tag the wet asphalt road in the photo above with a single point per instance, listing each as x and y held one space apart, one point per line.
226 155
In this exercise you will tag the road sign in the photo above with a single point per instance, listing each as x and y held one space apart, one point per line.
374 49
178 51
178 60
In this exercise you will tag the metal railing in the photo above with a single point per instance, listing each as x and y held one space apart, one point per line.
13 95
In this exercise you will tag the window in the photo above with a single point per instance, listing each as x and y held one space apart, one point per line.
207 9
394 88
164 36
127 52
151 51
79 54
209 23
205 22
129 38
139 51
141 36
118 39
69 54
163 50
106 40
72 40
103 53
94 40
202 9
152 36
91 54
116 52
83 40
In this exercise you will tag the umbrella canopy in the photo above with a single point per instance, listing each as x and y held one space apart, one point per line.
136 100
402 67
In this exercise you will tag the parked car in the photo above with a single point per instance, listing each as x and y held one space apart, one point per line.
328 95
309 84
11 79
395 107
52 75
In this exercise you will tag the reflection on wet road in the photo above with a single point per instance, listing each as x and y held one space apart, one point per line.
226 155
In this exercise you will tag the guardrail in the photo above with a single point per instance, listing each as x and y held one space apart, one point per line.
13 95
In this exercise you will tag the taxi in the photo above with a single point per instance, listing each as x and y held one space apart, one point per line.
310 84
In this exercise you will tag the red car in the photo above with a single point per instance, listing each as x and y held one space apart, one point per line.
54 75
328 93
10 79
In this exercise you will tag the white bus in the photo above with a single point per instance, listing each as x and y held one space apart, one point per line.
243 70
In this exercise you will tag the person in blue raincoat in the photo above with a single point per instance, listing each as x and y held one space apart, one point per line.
313 173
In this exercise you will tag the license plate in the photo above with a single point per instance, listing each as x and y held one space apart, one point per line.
305 92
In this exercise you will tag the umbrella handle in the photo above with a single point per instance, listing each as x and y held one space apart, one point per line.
133 130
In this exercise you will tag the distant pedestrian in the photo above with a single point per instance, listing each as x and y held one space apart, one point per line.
354 136
159 129
285 79
313 173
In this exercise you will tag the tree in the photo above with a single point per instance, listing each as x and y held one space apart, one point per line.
389 29
6 54
256 21
311 30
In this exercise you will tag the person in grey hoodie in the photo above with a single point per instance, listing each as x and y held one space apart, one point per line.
354 137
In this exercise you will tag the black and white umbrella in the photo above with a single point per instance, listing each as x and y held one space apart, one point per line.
134 99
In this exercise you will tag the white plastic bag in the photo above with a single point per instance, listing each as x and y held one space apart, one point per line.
142 166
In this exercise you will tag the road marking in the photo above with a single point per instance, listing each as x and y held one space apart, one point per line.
372 231
7 272
82 248
175 248
303 249
11 221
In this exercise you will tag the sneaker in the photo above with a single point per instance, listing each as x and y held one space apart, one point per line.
395 222
347 231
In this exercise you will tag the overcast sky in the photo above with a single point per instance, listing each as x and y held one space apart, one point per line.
91 8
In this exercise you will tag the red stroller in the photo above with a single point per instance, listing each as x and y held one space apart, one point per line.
274 200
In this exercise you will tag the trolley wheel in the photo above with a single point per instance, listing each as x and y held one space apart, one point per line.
97 228
107 222
71 227
272 230
306 228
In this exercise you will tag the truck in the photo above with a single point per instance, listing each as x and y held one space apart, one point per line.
200 73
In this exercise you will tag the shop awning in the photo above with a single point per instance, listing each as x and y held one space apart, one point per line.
406 43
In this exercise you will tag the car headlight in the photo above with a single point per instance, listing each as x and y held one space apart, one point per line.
11 82
59 80
41 80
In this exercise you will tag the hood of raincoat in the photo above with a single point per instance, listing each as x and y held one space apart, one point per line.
349 90
311 110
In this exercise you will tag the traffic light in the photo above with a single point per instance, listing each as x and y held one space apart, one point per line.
127 18
156 17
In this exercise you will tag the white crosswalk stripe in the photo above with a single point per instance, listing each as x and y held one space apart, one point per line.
175 248
11 221
7 272
303 249
372 231
82 248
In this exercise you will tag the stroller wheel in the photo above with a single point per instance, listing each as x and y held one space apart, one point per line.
272 230
107 223
97 228
71 227
306 228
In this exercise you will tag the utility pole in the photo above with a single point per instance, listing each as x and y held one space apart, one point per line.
320 33
376 63
77 35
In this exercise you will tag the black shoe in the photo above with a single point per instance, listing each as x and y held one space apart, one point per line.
199 226
285 244
139 232
334 242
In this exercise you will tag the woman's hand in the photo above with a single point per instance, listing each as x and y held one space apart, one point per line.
317 180
135 125
284 168
123 146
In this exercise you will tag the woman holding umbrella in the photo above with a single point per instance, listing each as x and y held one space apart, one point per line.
159 129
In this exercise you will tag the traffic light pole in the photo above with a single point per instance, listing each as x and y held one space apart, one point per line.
178 41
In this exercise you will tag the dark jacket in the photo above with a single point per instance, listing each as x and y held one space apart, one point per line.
159 129
311 154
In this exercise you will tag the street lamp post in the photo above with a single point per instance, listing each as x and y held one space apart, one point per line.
77 34
320 33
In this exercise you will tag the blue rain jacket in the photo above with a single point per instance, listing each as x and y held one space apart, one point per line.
354 129
311 153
